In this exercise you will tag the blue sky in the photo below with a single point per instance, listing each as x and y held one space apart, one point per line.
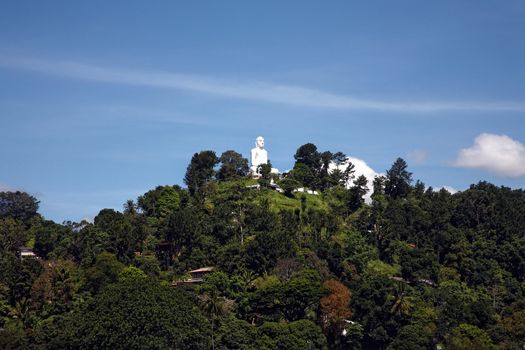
101 101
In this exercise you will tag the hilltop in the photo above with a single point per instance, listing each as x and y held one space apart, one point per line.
413 269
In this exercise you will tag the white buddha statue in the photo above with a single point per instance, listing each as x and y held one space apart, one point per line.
259 156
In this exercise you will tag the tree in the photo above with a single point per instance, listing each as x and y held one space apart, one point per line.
106 270
17 205
149 264
312 168
308 155
12 235
54 290
161 201
182 229
298 335
212 306
335 309
49 237
290 300
308 164
135 314
130 207
303 174
398 179
124 235
514 327
340 176
467 336
233 166
17 277
411 337
289 185
88 243
339 158
265 170
357 192
235 334
201 170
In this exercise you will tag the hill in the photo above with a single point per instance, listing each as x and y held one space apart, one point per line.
413 269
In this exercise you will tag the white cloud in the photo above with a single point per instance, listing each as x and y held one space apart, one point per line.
418 155
498 154
450 189
250 90
361 168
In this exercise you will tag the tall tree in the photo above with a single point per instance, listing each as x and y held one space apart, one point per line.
312 167
201 170
233 166
357 193
308 155
398 179
335 309
17 205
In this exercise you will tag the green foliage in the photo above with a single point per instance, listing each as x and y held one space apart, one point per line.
161 201
423 267
304 175
411 337
17 205
123 234
88 243
358 252
136 314
298 335
105 270
233 166
47 234
288 185
55 290
235 334
467 336
200 170
356 194
381 269
149 264
290 300
12 235
312 168
398 179
131 274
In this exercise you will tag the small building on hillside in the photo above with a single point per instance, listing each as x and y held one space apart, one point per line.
197 276
26 252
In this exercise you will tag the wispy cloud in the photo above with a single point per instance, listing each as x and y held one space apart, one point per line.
418 155
499 154
249 90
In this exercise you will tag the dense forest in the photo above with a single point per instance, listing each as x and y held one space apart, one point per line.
413 269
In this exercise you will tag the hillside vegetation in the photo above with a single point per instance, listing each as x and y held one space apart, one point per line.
414 269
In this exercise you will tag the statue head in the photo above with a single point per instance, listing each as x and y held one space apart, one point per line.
259 142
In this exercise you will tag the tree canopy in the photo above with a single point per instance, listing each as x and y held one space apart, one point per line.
412 268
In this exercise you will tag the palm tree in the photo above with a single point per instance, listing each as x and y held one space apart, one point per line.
212 305
403 304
